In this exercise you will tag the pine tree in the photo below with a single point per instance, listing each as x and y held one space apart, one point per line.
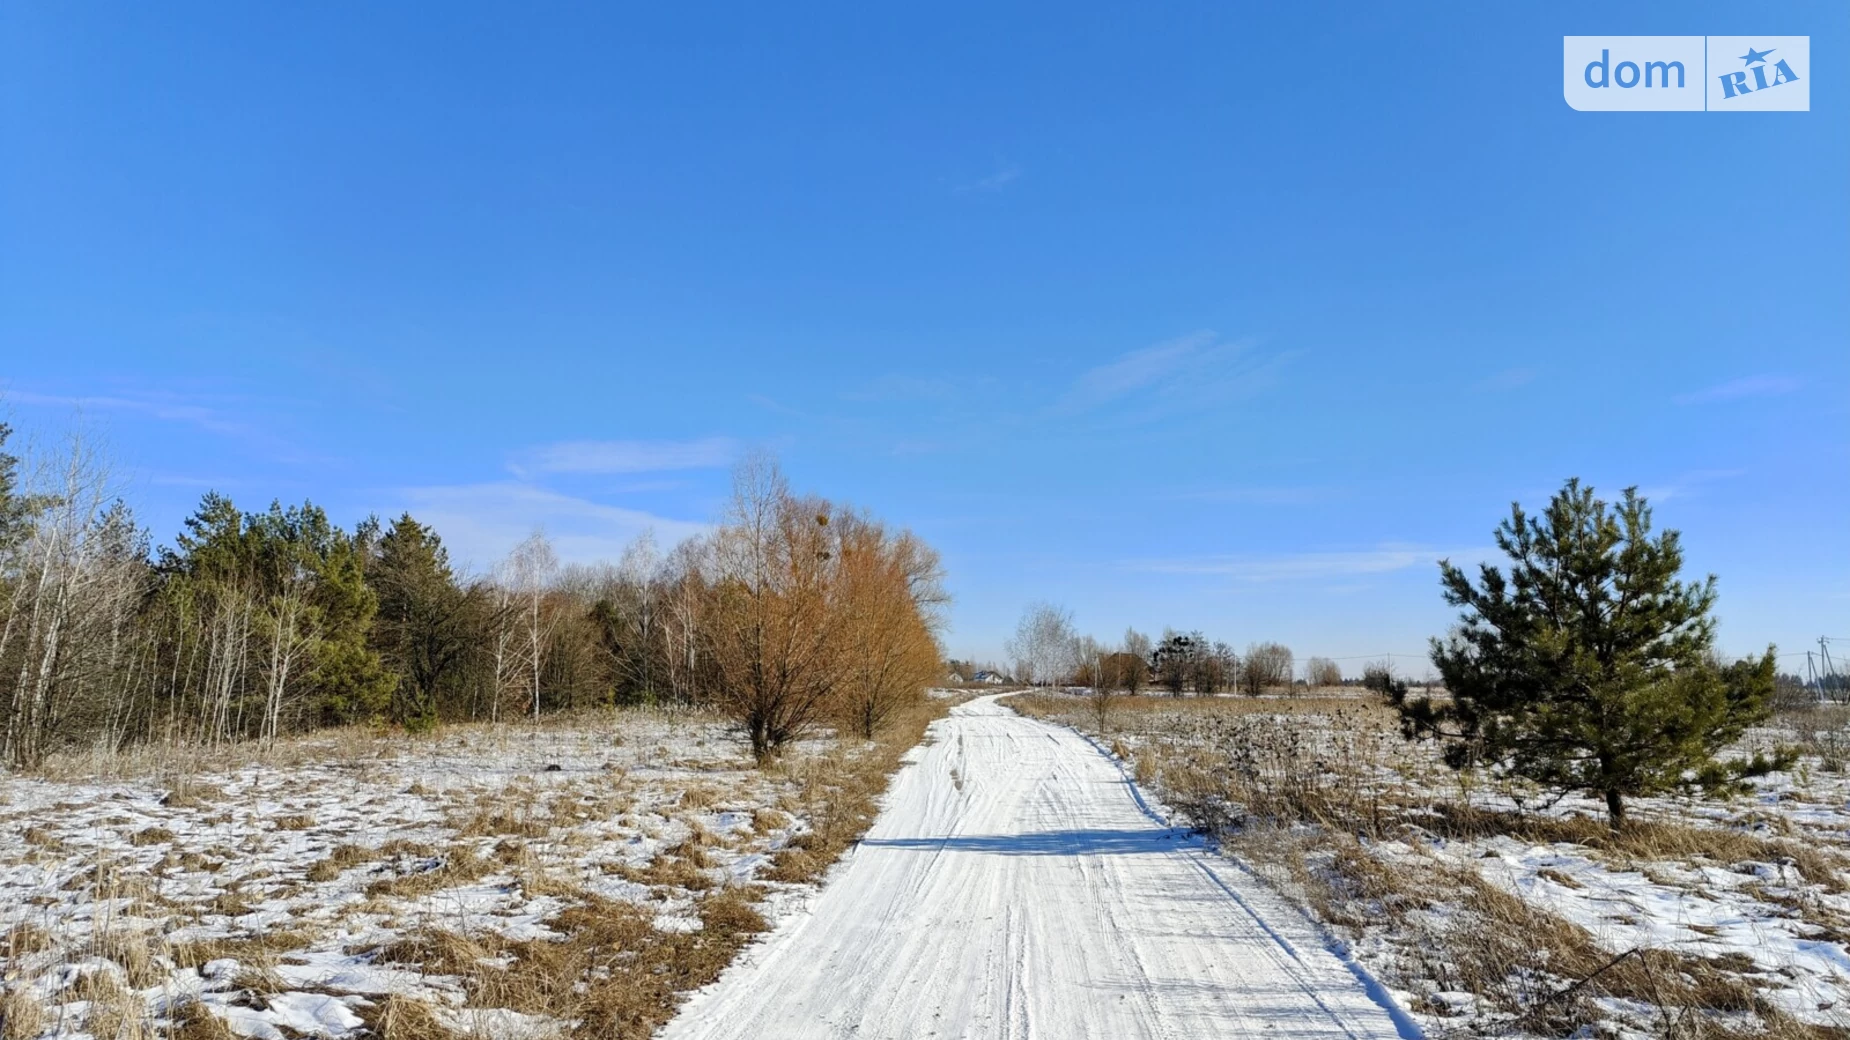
1590 667
351 680
17 510
210 580
422 632
1173 661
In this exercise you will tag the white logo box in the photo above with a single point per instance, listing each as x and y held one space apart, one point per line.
1686 73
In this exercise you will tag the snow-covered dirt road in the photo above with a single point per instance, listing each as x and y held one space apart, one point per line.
1015 886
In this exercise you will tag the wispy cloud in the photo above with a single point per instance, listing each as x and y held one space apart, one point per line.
917 446
1508 379
771 404
165 479
1686 485
1272 567
626 456
1192 371
1136 370
480 522
1734 390
1005 174
897 387
166 408
1261 496
268 434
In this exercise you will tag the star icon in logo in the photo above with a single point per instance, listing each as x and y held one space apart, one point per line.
1753 56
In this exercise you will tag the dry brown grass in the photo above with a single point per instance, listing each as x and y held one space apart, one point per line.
25 938
399 1017
458 866
513 852
400 847
338 861
513 812
230 902
114 1013
151 836
1822 730
494 824
1256 763
840 794
257 948
1540 973
438 951
644 990
135 952
109 877
22 1017
612 971
681 865
40 837
699 796
1302 788
194 1021
185 791
1647 840
177 763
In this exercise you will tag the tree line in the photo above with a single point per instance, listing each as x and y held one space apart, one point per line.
1048 650
1585 664
792 612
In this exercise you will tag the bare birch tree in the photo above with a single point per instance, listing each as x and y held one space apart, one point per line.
531 567
61 638
685 593
507 668
1321 672
1266 665
639 586
1043 644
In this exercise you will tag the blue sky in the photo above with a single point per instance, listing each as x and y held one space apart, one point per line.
1197 315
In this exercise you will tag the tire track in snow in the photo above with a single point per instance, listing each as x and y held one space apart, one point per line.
1015 885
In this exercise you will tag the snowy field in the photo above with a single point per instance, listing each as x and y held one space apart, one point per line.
527 882
498 882
1484 905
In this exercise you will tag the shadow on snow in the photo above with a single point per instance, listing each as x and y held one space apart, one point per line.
1141 841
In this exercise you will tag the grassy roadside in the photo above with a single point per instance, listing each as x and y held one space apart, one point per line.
1458 894
628 978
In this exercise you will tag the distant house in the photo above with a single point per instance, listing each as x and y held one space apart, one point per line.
988 679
